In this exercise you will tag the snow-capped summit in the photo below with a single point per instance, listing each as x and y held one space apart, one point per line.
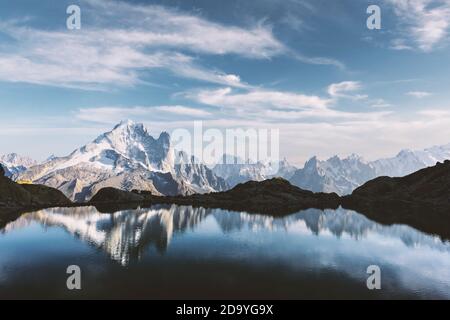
126 146
13 159
50 158
344 175
333 175
236 170
199 178
408 161
14 163
126 157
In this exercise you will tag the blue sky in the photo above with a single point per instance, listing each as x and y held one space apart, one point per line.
309 68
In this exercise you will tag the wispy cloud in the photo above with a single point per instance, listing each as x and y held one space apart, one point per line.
419 94
145 38
338 89
400 44
82 60
112 115
380 103
346 90
250 104
320 61
326 139
261 104
424 24
123 42
282 106
435 113
349 89
257 98
157 26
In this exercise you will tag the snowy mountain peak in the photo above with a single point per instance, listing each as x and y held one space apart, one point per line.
124 130
130 142
236 170
344 175
355 157
405 153
311 163
50 158
127 157
14 163
15 160
125 124
333 175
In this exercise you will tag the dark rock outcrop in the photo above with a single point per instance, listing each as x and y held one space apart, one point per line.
113 195
421 199
14 195
429 186
109 200
274 196
46 195
16 198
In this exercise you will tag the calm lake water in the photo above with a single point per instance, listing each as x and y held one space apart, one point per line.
186 253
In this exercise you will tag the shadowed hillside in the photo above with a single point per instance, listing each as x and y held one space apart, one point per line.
16 198
421 199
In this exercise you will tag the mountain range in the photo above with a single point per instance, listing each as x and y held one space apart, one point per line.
345 175
13 163
236 170
128 157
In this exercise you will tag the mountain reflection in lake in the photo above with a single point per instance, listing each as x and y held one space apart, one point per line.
185 252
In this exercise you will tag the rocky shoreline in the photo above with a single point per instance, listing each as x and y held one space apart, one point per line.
420 200
275 196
